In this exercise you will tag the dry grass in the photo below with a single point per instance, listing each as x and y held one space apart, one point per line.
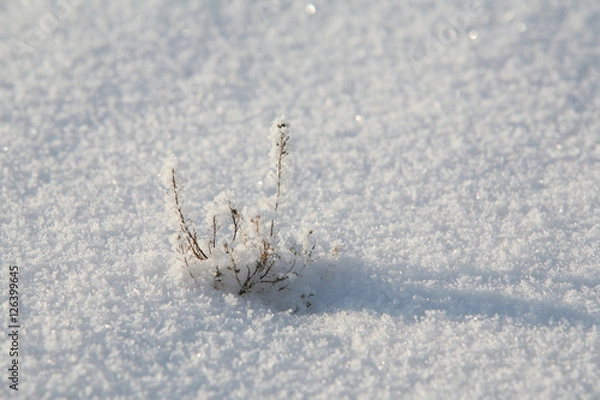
241 249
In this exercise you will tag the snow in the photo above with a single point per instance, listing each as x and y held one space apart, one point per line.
450 150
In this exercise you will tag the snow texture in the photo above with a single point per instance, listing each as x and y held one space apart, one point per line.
451 151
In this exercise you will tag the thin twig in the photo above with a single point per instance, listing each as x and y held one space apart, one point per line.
235 218
281 153
190 235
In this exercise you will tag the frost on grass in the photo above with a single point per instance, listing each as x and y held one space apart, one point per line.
240 250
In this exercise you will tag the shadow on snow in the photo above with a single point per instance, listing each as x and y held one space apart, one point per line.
353 286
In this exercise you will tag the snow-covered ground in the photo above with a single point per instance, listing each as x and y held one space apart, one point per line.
452 148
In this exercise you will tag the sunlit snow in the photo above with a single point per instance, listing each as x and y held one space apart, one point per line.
450 150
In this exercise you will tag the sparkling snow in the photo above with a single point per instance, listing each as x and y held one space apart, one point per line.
451 150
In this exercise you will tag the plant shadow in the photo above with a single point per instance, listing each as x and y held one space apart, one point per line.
353 286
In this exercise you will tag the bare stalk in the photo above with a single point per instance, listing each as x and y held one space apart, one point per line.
253 256
280 148
213 241
190 234
235 219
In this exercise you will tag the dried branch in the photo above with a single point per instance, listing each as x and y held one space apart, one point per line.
190 234
235 220
280 137
252 244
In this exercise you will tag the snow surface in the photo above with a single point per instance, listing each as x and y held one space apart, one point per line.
452 148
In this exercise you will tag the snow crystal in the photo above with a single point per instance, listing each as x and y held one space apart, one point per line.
449 152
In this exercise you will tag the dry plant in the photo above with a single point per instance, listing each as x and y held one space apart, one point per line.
241 250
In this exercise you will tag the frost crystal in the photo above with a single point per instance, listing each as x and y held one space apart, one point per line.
241 247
